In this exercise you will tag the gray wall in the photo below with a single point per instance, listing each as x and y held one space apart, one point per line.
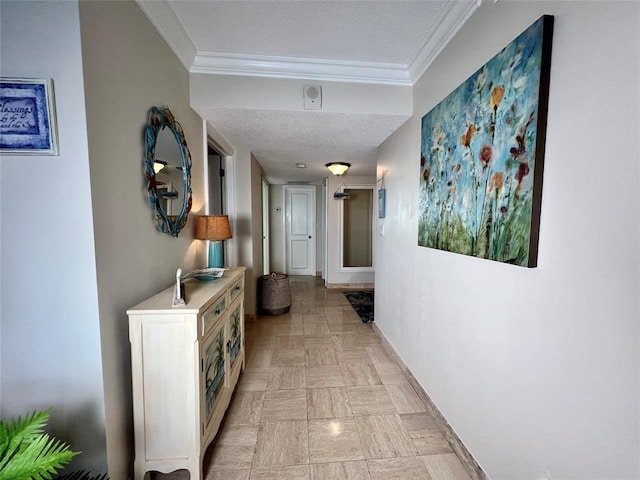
537 370
50 344
129 68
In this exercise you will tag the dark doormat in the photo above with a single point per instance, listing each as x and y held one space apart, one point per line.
362 303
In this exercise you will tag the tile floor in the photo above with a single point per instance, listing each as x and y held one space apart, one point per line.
322 399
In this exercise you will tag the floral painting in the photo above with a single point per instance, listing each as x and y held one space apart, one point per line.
482 154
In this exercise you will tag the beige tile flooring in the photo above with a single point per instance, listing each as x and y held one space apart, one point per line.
322 399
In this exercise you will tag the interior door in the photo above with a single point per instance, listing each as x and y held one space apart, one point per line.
300 221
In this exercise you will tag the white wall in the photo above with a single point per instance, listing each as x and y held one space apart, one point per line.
244 234
276 229
50 344
335 276
128 69
230 91
537 370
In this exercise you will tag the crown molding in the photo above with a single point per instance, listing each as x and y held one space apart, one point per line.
164 19
300 68
451 19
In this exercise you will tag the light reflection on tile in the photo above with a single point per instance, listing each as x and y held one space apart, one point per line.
334 439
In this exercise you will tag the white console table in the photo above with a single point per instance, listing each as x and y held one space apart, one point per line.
185 364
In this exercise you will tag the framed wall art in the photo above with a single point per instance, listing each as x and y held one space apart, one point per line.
382 202
482 155
27 117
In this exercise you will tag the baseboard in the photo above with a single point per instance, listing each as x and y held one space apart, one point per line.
349 286
473 469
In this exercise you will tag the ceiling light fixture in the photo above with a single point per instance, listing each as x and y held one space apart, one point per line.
338 168
158 165
301 165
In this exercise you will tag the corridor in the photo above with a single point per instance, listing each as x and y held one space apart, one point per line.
321 398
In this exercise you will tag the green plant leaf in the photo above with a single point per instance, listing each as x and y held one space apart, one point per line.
82 475
26 452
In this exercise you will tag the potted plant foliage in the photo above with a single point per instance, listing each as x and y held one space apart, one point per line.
28 453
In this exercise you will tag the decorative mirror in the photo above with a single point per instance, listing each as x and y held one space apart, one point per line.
167 167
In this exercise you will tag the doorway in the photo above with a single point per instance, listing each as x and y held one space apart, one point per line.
356 229
215 169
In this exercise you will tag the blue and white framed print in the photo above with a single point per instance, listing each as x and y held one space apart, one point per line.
27 117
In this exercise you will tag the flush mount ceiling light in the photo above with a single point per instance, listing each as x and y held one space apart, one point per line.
158 165
338 168
301 165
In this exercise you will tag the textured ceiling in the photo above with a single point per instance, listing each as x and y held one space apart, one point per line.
312 138
390 35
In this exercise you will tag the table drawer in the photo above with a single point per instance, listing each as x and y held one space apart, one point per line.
236 289
211 316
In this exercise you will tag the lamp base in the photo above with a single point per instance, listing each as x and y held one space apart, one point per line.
216 258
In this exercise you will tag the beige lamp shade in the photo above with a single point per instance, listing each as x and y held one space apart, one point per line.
213 227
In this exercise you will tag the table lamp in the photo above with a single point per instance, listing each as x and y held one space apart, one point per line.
214 228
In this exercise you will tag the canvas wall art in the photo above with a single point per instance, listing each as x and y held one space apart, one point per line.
27 117
482 155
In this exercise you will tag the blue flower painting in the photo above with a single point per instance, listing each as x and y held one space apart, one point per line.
482 156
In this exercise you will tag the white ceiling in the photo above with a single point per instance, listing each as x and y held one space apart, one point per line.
385 42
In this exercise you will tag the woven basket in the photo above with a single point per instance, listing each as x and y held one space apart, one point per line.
275 295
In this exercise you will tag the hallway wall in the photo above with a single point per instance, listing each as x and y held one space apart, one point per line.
537 370
50 341
129 68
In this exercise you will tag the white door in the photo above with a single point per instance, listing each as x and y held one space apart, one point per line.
300 222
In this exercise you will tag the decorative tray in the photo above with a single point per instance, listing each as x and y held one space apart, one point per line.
205 274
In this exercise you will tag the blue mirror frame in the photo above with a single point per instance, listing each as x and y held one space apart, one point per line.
157 120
